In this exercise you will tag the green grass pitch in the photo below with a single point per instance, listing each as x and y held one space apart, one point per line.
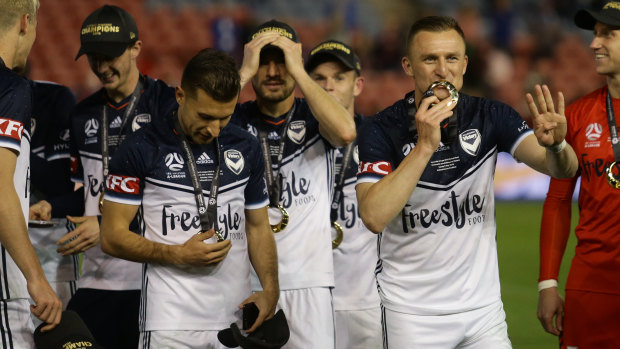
518 225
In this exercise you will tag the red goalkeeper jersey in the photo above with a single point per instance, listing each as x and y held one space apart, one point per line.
596 265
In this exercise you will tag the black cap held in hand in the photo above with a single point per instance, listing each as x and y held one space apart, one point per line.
282 28
70 333
107 31
272 334
608 14
331 50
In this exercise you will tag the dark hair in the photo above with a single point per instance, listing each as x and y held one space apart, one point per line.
432 24
214 72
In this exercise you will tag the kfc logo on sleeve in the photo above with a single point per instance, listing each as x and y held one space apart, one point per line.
11 128
382 168
123 184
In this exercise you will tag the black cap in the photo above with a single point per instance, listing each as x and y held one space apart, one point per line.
333 49
272 334
108 31
273 25
608 14
70 333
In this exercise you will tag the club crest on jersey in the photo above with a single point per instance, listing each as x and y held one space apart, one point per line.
91 127
234 161
297 131
470 141
139 121
174 161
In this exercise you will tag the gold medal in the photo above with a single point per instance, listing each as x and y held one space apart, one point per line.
339 235
454 94
611 178
276 228
101 201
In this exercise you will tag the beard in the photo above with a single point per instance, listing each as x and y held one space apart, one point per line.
273 96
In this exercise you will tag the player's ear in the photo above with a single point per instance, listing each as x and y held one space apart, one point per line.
406 64
359 86
179 94
135 49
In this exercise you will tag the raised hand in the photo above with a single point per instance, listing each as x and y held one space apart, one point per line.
549 125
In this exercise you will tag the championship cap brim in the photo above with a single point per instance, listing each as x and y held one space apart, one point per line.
609 15
109 49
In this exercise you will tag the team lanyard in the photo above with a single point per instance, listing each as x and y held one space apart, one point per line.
613 131
615 144
338 191
105 151
273 183
339 195
208 212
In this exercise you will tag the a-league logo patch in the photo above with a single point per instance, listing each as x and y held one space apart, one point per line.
234 161
91 127
297 131
470 141
139 121
174 161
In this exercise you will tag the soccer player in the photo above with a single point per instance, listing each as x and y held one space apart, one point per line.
108 297
194 278
21 275
53 194
336 68
589 316
428 190
297 138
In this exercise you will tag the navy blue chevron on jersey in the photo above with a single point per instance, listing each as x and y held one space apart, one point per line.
100 271
356 257
439 255
306 182
15 114
149 170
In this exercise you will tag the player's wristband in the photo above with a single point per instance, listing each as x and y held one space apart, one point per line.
547 284
558 147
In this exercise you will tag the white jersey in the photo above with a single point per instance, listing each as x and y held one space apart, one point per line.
148 170
99 270
304 246
15 113
356 257
438 256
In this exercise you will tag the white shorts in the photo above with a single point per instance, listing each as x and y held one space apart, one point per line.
18 332
358 329
64 290
310 316
476 329
180 340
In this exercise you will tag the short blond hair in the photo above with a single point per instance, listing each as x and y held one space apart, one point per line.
12 10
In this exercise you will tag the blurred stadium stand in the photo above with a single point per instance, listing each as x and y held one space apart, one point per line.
511 45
